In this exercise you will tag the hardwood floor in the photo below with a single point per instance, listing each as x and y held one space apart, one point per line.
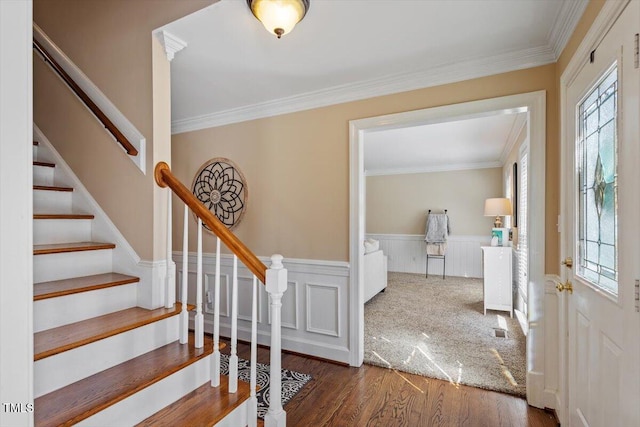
372 396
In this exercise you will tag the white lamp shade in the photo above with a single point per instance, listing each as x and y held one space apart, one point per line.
278 15
497 207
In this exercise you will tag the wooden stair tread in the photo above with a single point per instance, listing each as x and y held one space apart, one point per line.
62 216
45 164
80 400
205 406
67 337
36 143
57 288
51 188
56 248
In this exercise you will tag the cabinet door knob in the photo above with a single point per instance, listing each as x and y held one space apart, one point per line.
568 261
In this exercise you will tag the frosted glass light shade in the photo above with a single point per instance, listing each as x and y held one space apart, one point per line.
279 16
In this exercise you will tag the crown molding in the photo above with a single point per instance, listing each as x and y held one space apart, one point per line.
563 27
430 169
516 128
171 43
564 24
435 76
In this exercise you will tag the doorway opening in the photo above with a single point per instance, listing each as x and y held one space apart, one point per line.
533 105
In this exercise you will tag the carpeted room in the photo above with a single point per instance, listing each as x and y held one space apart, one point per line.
436 326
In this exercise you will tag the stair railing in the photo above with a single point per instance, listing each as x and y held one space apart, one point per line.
274 278
100 115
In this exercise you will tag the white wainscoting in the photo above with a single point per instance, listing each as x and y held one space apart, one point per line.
407 254
314 307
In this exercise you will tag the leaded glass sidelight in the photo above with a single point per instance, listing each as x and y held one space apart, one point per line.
597 178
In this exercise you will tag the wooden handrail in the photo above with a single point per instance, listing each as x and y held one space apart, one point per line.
164 178
108 124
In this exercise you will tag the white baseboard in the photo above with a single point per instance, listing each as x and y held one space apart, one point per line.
535 389
302 346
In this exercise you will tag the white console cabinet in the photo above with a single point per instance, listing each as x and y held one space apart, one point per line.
498 293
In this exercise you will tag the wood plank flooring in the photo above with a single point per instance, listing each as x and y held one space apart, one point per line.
372 396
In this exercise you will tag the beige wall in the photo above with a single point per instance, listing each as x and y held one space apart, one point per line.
297 165
111 42
398 204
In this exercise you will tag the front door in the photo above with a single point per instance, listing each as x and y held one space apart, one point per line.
602 230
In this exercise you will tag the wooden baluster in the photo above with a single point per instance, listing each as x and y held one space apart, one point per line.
170 286
276 286
233 359
184 314
215 360
199 320
252 414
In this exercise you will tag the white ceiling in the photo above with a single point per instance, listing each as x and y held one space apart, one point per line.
233 70
476 143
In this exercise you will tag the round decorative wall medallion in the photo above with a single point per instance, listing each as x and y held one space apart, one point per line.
222 188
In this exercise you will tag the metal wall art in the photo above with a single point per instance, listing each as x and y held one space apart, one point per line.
222 188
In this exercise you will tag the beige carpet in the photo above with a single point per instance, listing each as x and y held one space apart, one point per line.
435 327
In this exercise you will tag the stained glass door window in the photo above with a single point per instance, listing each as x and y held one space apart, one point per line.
597 169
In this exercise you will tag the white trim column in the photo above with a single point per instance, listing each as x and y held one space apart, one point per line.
16 212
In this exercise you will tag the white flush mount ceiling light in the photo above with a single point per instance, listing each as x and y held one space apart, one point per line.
279 16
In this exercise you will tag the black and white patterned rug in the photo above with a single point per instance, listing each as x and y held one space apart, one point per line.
292 382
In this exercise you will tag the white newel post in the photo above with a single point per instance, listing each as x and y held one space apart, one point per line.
170 286
276 286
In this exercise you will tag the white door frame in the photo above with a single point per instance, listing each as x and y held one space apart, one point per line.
534 103
601 25
16 210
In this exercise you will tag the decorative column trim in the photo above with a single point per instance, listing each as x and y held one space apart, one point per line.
171 43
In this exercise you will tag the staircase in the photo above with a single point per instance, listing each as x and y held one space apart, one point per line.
99 358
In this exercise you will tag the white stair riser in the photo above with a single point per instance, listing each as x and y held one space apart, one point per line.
61 231
53 312
71 264
35 152
57 371
52 201
145 403
43 175
237 417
